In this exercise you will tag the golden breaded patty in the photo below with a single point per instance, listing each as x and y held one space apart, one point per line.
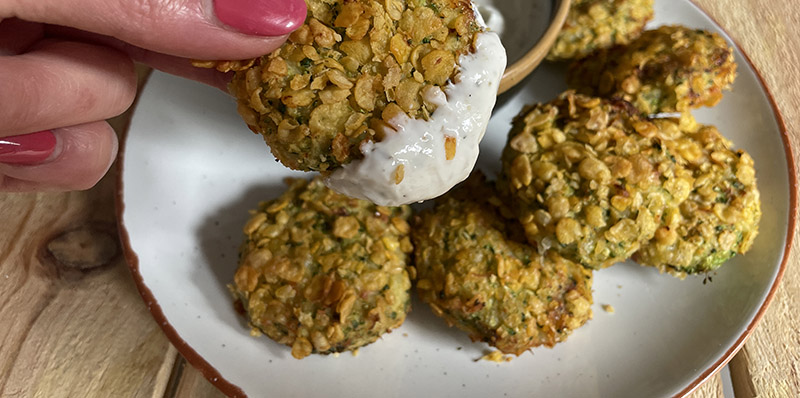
351 68
321 272
478 276
670 69
598 24
588 178
718 219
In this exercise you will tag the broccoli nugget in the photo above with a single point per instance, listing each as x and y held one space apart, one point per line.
321 272
598 24
720 216
478 274
670 69
354 66
361 81
588 178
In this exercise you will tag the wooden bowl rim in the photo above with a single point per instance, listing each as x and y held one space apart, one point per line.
524 66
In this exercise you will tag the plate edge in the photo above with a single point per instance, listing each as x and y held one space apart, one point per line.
209 372
790 232
231 390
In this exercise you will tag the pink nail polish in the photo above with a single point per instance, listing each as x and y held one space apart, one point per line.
261 17
27 149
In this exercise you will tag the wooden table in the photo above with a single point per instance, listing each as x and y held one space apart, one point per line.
73 325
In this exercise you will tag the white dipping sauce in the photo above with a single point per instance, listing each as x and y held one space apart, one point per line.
419 145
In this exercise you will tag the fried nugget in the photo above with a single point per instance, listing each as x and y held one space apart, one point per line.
477 273
670 69
720 216
361 81
598 24
323 273
594 181
340 77
588 178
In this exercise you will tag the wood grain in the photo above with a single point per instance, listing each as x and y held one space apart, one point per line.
71 321
192 384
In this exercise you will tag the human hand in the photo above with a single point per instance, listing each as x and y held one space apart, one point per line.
67 65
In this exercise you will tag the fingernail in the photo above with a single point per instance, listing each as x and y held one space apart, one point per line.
28 149
261 17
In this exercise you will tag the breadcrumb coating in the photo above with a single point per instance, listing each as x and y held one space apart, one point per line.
478 274
599 24
669 69
324 273
353 67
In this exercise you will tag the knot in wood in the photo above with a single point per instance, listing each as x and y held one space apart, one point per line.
83 248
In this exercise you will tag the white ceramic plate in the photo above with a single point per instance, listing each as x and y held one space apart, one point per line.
191 170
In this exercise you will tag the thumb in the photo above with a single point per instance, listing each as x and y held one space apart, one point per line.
200 29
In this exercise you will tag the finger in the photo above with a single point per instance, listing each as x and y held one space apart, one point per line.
17 35
166 63
75 158
63 84
197 29
182 67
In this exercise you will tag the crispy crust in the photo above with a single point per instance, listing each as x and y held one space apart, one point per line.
598 24
720 216
321 272
593 181
670 69
344 75
477 273
583 181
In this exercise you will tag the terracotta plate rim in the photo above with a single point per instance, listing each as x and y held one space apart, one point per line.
230 389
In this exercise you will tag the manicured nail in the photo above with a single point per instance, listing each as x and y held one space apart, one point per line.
28 149
261 17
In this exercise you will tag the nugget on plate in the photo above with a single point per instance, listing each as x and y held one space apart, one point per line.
321 272
670 69
362 81
720 216
478 274
597 24
588 178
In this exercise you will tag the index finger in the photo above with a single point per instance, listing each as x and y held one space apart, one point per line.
199 29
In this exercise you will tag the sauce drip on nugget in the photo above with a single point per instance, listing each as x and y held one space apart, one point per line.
388 99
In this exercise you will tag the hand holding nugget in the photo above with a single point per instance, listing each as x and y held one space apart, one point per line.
66 66
389 100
